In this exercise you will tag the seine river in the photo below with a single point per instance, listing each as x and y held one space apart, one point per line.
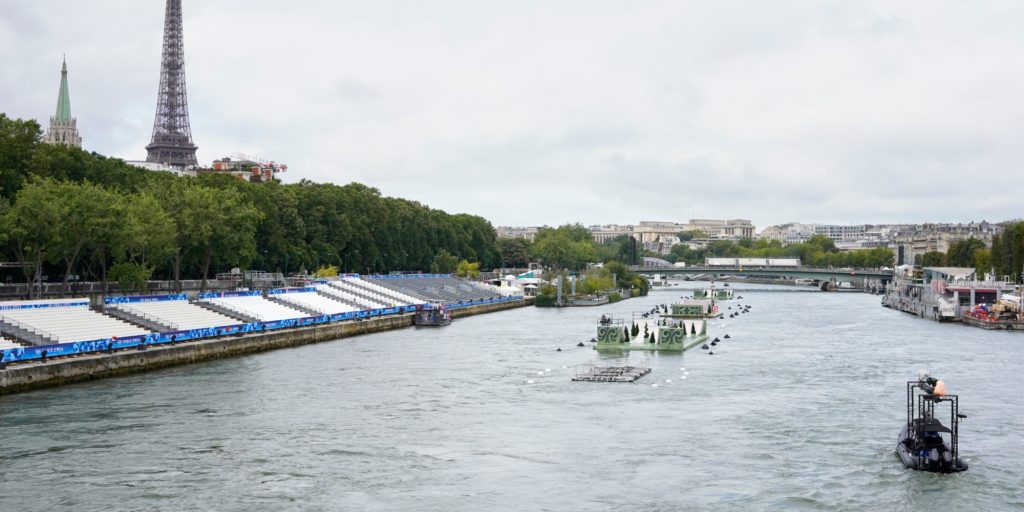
799 410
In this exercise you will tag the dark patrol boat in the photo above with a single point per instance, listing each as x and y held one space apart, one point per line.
925 443
432 315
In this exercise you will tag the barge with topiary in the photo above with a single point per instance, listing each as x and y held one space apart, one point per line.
650 332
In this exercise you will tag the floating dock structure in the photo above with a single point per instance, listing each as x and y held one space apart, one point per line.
592 373
724 293
650 332
693 308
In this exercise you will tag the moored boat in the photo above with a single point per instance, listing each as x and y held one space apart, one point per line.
432 315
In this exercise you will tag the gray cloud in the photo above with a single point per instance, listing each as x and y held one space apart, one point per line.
547 112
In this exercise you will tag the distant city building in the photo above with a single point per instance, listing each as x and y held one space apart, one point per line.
908 241
527 233
786 234
916 240
841 233
63 128
733 229
246 168
610 232
657 231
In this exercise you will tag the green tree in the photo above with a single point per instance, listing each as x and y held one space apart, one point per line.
444 263
688 235
131 276
982 262
933 259
515 252
19 140
467 269
34 226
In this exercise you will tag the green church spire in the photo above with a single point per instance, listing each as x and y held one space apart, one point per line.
64 99
63 128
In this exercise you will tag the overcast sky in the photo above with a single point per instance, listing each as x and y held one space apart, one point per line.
547 112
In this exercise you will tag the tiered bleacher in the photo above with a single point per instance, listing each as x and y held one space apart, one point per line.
337 292
371 295
176 315
435 288
256 307
61 321
312 301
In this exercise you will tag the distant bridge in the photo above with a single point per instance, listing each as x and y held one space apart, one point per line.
858 277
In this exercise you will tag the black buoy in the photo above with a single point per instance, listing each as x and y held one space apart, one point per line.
593 340
716 339
726 336
711 353
580 344
714 343
558 350
704 346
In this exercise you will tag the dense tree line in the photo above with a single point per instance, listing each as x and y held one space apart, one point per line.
1007 253
819 251
66 212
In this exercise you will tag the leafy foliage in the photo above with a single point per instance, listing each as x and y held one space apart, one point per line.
65 211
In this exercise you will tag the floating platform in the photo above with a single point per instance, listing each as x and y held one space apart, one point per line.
650 333
590 373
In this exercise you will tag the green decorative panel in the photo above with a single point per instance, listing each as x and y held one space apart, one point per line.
670 335
609 334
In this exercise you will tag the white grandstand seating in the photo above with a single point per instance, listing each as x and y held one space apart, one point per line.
177 315
68 324
316 302
376 292
257 307
447 289
366 298
337 292
6 344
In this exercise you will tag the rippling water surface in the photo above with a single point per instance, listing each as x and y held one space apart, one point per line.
798 411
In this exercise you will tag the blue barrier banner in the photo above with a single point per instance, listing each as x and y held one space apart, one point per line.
145 298
46 305
408 276
217 295
280 291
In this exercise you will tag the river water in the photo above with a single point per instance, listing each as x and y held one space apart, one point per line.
799 410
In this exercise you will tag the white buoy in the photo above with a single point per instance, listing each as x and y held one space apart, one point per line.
540 373
547 370
682 369
529 382
683 377
654 385
564 366
668 381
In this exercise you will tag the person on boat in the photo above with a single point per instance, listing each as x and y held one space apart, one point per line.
931 385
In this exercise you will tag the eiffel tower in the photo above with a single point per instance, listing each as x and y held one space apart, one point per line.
172 137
